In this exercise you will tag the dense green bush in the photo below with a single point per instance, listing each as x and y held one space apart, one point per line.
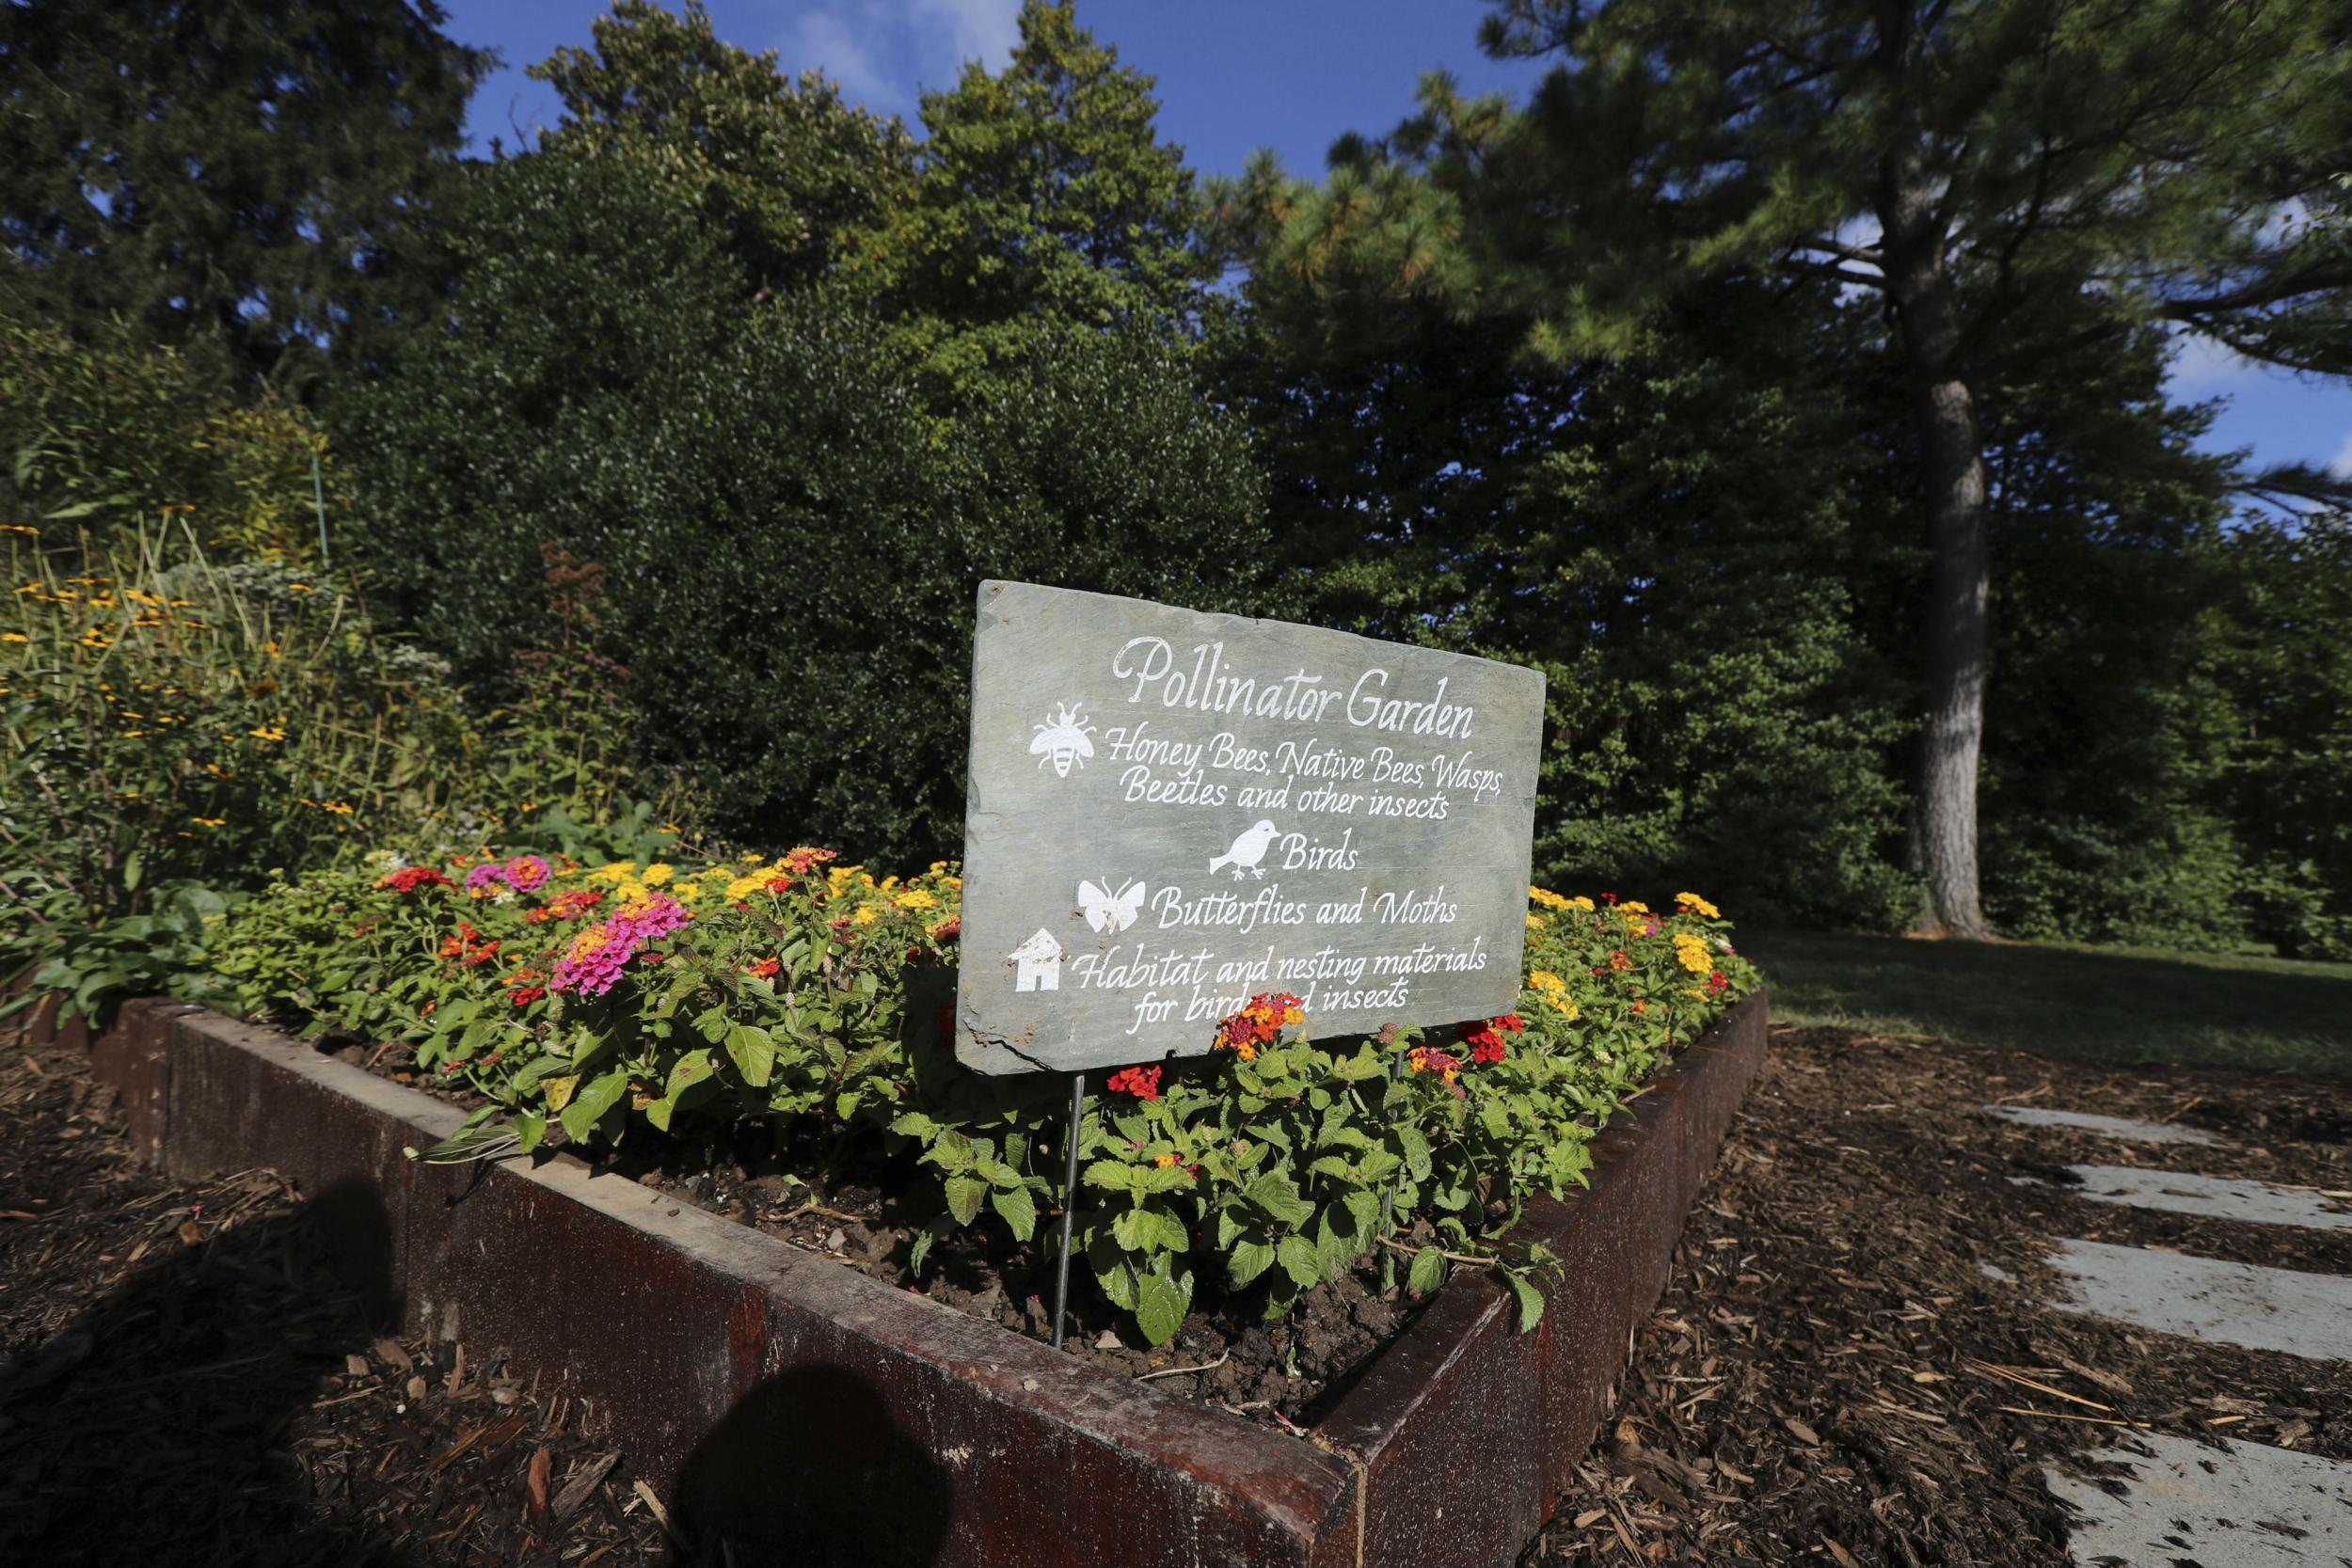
790 536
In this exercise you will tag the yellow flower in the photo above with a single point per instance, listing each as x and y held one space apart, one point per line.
1548 898
12 636
867 915
267 732
1697 905
618 871
916 898
656 874
209 822
1534 921
1634 906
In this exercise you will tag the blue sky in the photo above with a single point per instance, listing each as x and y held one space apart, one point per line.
1233 77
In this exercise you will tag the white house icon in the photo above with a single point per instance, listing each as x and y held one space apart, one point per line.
1039 963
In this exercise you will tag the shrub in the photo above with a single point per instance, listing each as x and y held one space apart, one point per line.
96 436
171 723
631 998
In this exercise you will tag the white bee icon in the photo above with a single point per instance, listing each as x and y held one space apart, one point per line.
1062 741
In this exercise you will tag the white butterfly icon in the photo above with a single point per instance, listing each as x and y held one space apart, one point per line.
1107 911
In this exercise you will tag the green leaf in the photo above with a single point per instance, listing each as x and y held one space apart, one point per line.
966 1195
1160 1307
1275 1193
1531 1300
1428 1272
1112 1175
1017 1209
589 1105
1297 1257
530 1128
131 872
1249 1258
754 1053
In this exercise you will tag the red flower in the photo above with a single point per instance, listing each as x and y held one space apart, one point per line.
766 969
1141 1082
523 996
779 884
1608 898
1618 960
1718 982
410 878
1511 1022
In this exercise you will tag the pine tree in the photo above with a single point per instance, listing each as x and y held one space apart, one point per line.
243 179
1967 161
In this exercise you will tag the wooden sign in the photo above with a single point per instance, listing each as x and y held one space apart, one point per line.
1170 813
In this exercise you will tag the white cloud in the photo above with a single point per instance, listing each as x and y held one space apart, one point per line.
2340 465
885 52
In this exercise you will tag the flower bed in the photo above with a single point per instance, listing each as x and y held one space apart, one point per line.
808 1414
616 1005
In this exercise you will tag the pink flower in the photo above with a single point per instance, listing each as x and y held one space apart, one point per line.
526 872
485 878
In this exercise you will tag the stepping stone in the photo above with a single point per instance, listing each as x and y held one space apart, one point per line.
2218 1197
2111 1127
2241 1506
2231 1304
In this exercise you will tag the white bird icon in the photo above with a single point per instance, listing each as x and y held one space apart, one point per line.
1247 851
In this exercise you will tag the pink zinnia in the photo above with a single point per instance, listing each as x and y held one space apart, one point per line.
485 879
526 872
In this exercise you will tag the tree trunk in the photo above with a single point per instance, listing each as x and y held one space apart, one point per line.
1959 571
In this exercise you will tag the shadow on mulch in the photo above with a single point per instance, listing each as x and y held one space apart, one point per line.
767 1485
198 1374
152 1428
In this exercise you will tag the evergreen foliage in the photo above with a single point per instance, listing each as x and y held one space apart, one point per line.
246 180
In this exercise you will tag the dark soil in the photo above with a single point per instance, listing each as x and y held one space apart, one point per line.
1287 1372
185 1379
1832 1377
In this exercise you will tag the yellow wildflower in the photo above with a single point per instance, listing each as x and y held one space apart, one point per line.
1548 898
656 874
916 898
1697 905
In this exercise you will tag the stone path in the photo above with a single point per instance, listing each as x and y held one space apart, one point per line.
2236 1304
2112 1127
2224 1198
2239 1505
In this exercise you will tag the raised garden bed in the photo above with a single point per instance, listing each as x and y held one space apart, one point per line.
789 1402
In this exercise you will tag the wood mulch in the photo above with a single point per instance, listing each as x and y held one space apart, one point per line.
1832 1378
184 1379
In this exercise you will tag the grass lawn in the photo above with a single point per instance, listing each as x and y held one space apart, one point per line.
2098 1004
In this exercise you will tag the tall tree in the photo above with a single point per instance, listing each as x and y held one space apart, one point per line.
1962 160
240 178
1044 199
782 167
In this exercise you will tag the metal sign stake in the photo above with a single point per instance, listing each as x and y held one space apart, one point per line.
1069 1206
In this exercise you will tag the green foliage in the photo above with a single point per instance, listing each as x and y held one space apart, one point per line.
784 168
1043 195
785 995
247 182
167 724
94 436
609 386
2287 782
1720 704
